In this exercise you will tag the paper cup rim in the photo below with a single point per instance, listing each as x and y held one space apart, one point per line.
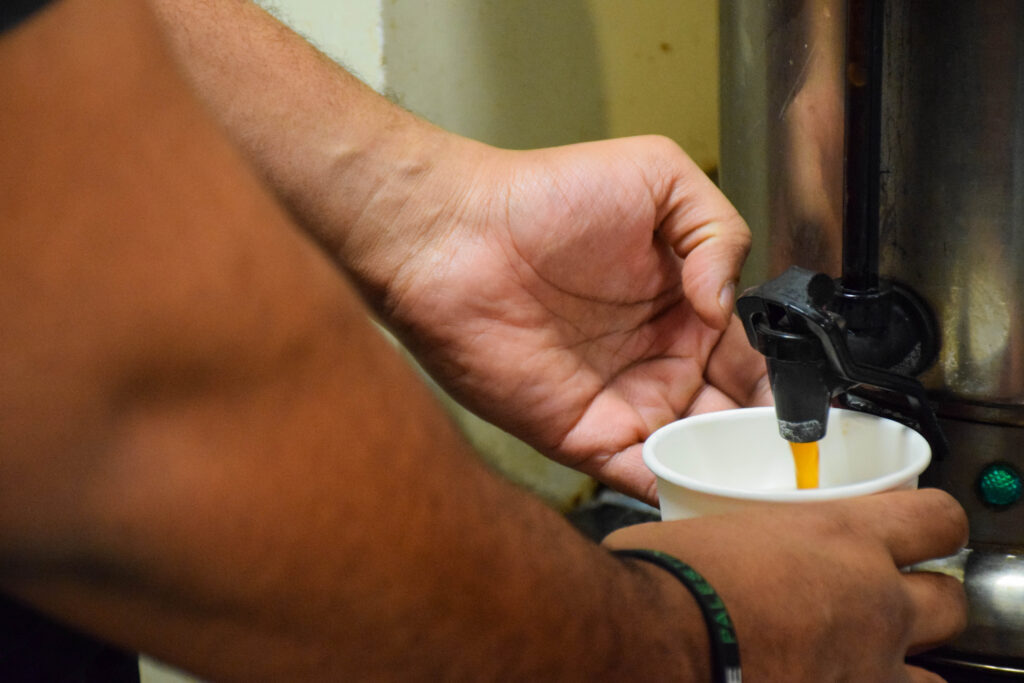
887 482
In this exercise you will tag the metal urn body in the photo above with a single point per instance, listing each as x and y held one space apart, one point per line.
948 185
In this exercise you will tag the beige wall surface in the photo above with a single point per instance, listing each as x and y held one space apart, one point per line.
531 73
659 60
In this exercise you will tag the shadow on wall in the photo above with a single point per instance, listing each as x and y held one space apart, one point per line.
513 73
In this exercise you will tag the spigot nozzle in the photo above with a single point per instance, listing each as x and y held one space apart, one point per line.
800 377
802 398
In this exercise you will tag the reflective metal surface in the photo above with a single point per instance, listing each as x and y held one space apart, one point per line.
953 156
951 224
995 588
782 127
956 669
953 202
973 446
994 581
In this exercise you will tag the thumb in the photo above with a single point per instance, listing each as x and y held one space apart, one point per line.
706 231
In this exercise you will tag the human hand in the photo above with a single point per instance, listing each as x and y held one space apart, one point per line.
815 591
543 289
580 298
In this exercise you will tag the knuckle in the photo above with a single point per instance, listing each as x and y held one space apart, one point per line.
949 512
664 144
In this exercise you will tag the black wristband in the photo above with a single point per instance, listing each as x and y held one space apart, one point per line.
725 650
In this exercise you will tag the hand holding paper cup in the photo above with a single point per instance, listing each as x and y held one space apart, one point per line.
733 459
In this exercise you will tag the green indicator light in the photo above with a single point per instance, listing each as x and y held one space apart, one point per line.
999 484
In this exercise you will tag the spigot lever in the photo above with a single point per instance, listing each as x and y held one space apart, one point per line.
795 322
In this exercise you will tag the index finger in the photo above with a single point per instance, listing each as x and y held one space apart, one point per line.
914 525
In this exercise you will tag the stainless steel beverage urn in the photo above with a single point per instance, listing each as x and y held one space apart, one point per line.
876 148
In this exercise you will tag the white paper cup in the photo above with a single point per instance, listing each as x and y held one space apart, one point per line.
732 459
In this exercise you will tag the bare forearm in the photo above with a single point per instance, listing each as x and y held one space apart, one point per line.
270 545
264 489
344 159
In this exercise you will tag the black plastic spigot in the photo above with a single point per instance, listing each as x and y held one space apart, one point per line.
779 317
823 343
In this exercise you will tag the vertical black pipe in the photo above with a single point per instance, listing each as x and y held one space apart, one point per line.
863 139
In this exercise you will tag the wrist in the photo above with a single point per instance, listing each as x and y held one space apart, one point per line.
724 648
676 620
341 157
401 192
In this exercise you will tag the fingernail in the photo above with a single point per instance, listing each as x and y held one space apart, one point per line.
727 297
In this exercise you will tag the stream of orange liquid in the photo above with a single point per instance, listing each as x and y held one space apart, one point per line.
805 457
